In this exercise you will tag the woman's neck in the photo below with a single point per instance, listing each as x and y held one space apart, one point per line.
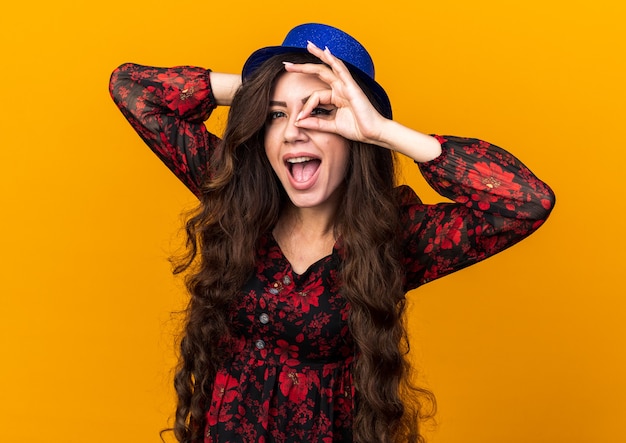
316 222
305 235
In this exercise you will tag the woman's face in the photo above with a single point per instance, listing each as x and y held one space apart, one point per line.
311 165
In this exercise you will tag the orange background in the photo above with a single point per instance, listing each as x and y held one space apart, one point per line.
525 347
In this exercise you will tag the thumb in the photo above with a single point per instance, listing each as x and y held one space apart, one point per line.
317 124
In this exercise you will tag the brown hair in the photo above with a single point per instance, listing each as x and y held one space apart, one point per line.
222 239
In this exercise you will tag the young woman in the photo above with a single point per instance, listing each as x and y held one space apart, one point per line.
303 247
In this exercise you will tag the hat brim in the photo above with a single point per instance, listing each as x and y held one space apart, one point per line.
260 56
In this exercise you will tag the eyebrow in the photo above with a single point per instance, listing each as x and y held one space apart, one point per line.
284 104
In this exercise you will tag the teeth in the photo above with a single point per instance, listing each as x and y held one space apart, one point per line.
299 159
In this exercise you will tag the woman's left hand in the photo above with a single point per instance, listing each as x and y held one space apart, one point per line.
355 117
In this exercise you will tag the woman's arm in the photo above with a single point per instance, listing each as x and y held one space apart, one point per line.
224 87
415 145
167 107
497 201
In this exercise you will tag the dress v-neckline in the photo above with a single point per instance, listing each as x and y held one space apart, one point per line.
312 266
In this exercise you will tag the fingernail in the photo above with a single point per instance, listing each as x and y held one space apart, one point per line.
299 117
326 49
287 63
311 43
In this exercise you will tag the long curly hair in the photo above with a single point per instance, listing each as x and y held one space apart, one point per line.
222 236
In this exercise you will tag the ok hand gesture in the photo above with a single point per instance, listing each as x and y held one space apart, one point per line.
356 118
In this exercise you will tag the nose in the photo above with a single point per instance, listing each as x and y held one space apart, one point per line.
293 133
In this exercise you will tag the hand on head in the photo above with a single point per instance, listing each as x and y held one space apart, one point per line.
355 118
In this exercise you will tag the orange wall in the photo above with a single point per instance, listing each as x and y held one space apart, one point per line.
526 347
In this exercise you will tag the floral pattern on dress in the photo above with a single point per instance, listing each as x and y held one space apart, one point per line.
289 378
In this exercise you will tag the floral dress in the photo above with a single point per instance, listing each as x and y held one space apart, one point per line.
289 378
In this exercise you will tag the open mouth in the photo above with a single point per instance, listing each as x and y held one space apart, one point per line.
302 169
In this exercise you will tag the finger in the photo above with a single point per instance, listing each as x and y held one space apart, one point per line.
322 71
317 124
336 64
326 56
313 49
321 97
333 65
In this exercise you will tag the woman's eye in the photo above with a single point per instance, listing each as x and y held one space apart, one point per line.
276 114
321 111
